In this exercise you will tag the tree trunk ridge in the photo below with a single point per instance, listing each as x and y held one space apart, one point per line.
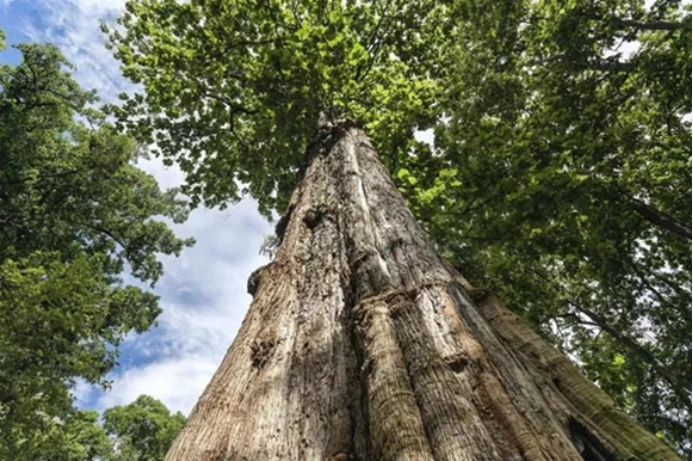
363 344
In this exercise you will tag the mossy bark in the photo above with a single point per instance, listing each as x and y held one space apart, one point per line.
363 344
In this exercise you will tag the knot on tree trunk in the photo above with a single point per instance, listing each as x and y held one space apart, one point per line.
478 294
255 278
315 216
339 457
260 353
457 361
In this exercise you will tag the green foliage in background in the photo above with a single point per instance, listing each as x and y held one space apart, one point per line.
75 213
561 178
76 437
143 430
140 431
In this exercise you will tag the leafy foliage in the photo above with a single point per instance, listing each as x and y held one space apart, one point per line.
78 437
74 213
140 431
561 178
144 430
233 90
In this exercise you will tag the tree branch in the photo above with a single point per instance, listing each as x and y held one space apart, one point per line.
612 66
108 234
660 219
642 273
653 25
680 386
640 25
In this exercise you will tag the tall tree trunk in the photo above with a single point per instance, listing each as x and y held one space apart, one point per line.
363 344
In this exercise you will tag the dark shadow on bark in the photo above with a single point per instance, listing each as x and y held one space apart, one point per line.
587 444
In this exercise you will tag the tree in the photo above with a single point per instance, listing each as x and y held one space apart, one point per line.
140 431
78 437
143 430
561 179
74 211
361 342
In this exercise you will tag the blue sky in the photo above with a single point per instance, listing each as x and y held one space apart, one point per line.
203 292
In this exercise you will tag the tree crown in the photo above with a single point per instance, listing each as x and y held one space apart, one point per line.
233 90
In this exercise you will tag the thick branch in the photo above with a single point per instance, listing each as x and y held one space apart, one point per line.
613 66
653 25
660 219
662 299
641 25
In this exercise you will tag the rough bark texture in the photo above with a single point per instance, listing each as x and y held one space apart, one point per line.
362 344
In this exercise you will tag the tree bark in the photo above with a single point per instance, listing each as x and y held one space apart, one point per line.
363 344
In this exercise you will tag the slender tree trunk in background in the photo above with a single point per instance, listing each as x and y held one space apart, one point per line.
363 344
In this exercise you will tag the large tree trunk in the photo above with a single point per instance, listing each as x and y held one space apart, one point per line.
362 344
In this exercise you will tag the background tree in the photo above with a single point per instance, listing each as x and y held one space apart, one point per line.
561 178
233 92
74 213
142 430
78 437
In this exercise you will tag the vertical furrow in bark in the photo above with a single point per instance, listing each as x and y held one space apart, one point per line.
369 272
452 422
397 431
318 392
541 415
396 428
404 246
452 425
469 360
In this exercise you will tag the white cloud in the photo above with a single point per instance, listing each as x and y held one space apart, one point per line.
101 6
167 177
74 26
178 383
203 292
204 299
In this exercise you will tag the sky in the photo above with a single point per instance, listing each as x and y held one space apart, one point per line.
203 291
